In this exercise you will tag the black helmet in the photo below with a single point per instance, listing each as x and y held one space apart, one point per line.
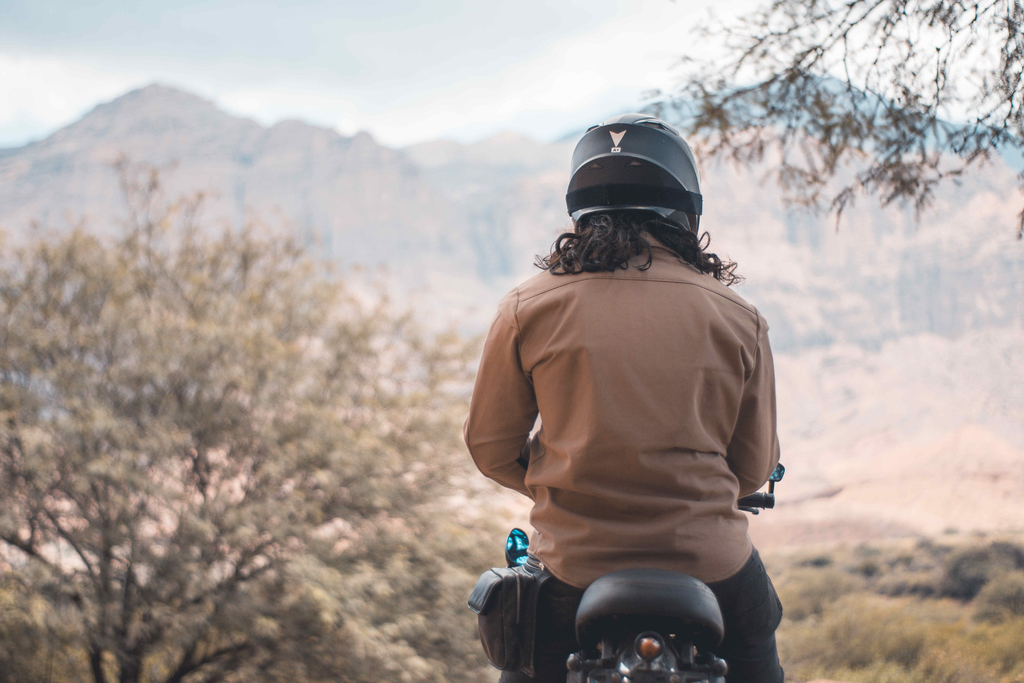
634 161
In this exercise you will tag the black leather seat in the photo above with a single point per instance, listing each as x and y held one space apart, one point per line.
649 598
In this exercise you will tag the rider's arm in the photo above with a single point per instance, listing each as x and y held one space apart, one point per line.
754 448
503 408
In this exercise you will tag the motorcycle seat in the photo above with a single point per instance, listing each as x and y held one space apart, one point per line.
651 599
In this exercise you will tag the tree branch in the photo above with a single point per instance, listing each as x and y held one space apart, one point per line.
69 538
29 549
189 664
96 664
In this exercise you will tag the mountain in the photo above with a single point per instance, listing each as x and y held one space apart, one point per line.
899 343
354 199
463 223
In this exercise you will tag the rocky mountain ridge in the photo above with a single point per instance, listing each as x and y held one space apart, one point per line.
446 217
350 197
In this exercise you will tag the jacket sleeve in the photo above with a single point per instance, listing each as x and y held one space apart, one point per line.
754 447
503 408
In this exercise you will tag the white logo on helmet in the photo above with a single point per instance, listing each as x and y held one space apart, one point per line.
616 139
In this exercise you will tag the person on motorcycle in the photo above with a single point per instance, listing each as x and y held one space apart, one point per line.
630 394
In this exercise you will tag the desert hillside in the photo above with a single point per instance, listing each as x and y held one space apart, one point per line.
899 343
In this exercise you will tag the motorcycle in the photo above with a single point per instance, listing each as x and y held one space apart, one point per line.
648 625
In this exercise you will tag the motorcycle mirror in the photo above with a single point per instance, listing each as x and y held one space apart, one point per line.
515 547
775 476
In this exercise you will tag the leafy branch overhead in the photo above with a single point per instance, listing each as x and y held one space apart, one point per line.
875 97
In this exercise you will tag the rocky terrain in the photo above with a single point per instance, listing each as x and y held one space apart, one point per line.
899 343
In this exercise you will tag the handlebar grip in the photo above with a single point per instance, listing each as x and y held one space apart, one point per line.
757 500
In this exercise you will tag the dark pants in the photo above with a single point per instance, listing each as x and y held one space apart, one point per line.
750 608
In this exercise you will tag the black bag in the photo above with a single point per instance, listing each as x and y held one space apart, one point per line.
505 601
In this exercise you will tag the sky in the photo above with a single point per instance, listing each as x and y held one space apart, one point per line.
404 70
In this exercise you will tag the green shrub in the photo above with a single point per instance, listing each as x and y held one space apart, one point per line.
1001 598
869 568
919 584
902 560
817 561
968 570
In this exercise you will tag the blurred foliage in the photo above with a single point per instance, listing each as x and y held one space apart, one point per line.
218 464
843 98
950 612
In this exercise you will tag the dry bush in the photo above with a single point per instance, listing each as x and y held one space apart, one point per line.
953 665
808 591
856 632
843 624
999 645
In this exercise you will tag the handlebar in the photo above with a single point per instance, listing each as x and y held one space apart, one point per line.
757 500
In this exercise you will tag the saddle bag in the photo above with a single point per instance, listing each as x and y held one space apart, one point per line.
505 602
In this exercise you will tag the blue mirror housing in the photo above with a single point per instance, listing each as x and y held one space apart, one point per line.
515 547
777 473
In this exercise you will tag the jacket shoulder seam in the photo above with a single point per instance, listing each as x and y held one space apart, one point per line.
515 312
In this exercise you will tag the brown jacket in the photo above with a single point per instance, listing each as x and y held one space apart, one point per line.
656 394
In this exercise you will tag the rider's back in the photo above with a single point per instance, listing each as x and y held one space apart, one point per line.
658 403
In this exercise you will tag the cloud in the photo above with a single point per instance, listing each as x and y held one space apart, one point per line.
467 73
38 95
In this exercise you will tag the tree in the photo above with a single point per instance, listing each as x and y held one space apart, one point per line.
216 464
890 97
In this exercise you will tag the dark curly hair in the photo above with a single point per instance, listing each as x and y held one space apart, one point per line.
609 240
